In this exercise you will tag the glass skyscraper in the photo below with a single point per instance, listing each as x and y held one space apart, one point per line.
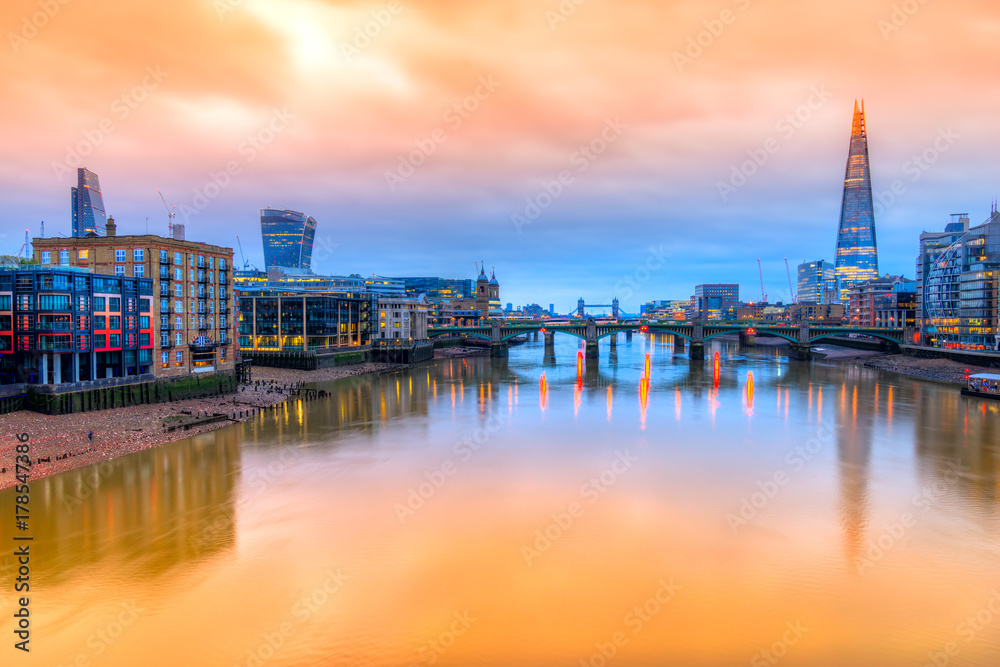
857 253
87 203
815 279
288 238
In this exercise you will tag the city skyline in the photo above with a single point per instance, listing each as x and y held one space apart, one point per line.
701 173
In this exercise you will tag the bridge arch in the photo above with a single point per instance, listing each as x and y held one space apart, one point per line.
471 334
832 335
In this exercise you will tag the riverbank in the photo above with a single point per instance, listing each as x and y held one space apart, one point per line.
940 370
452 352
60 442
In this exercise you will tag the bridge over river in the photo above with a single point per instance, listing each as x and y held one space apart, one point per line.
802 336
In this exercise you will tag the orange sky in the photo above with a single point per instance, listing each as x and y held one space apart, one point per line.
356 108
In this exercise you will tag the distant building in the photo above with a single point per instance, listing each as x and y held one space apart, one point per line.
88 210
669 309
288 238
194 319
877 301
960 291
932 246
814 281
712 302
488 295
438 288
820 313
857 251
762 312
552 309
402 319
391 287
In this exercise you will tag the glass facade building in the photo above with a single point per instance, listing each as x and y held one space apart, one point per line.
960 291
87 203
815 279
438 288
932 245
288 238
280 320
713 302
857 252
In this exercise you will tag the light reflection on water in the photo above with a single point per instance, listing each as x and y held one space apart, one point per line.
441 513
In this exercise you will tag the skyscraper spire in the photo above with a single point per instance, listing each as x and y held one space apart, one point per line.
857 252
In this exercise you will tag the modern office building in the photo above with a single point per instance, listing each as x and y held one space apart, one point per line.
88 212
815 279
821 313
278 320
390 287
194 324
713 302
960 291
857 252
438 288
932 245
64 324
288 238
874 302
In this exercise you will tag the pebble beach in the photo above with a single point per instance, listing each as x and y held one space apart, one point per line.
61 442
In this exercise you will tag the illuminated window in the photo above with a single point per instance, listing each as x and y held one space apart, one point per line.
84 254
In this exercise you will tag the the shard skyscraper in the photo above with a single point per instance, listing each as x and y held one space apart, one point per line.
857 253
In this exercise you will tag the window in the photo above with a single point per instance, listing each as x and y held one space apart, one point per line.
210 258
178 289
119 269
114 305
115 322
84 254
130 322
138 270
119 254
192 276
83 322
82 302
201 261
179 322
178 274
145 305
53 302
191 259
178 340
180 358
178 258
165 359
130 304
138 255
130 340
163 257
164 305
46 257
114 340
99 303
100 340
178 306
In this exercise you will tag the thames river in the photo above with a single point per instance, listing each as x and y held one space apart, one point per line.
638 510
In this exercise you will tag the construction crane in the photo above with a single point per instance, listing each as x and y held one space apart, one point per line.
763 294
791 292
26 248
244 257
170 213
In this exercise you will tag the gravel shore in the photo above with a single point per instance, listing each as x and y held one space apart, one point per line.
60 442
942 370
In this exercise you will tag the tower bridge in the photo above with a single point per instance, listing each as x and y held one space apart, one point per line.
802 336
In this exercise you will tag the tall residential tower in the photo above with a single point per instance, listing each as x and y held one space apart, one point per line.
857 254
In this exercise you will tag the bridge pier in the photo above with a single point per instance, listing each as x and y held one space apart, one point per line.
592 350
679 343
697 352
535 339
550 343
800 351
614 342
748 339
499 349
628 336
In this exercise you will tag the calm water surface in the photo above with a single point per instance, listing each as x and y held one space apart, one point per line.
468 512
